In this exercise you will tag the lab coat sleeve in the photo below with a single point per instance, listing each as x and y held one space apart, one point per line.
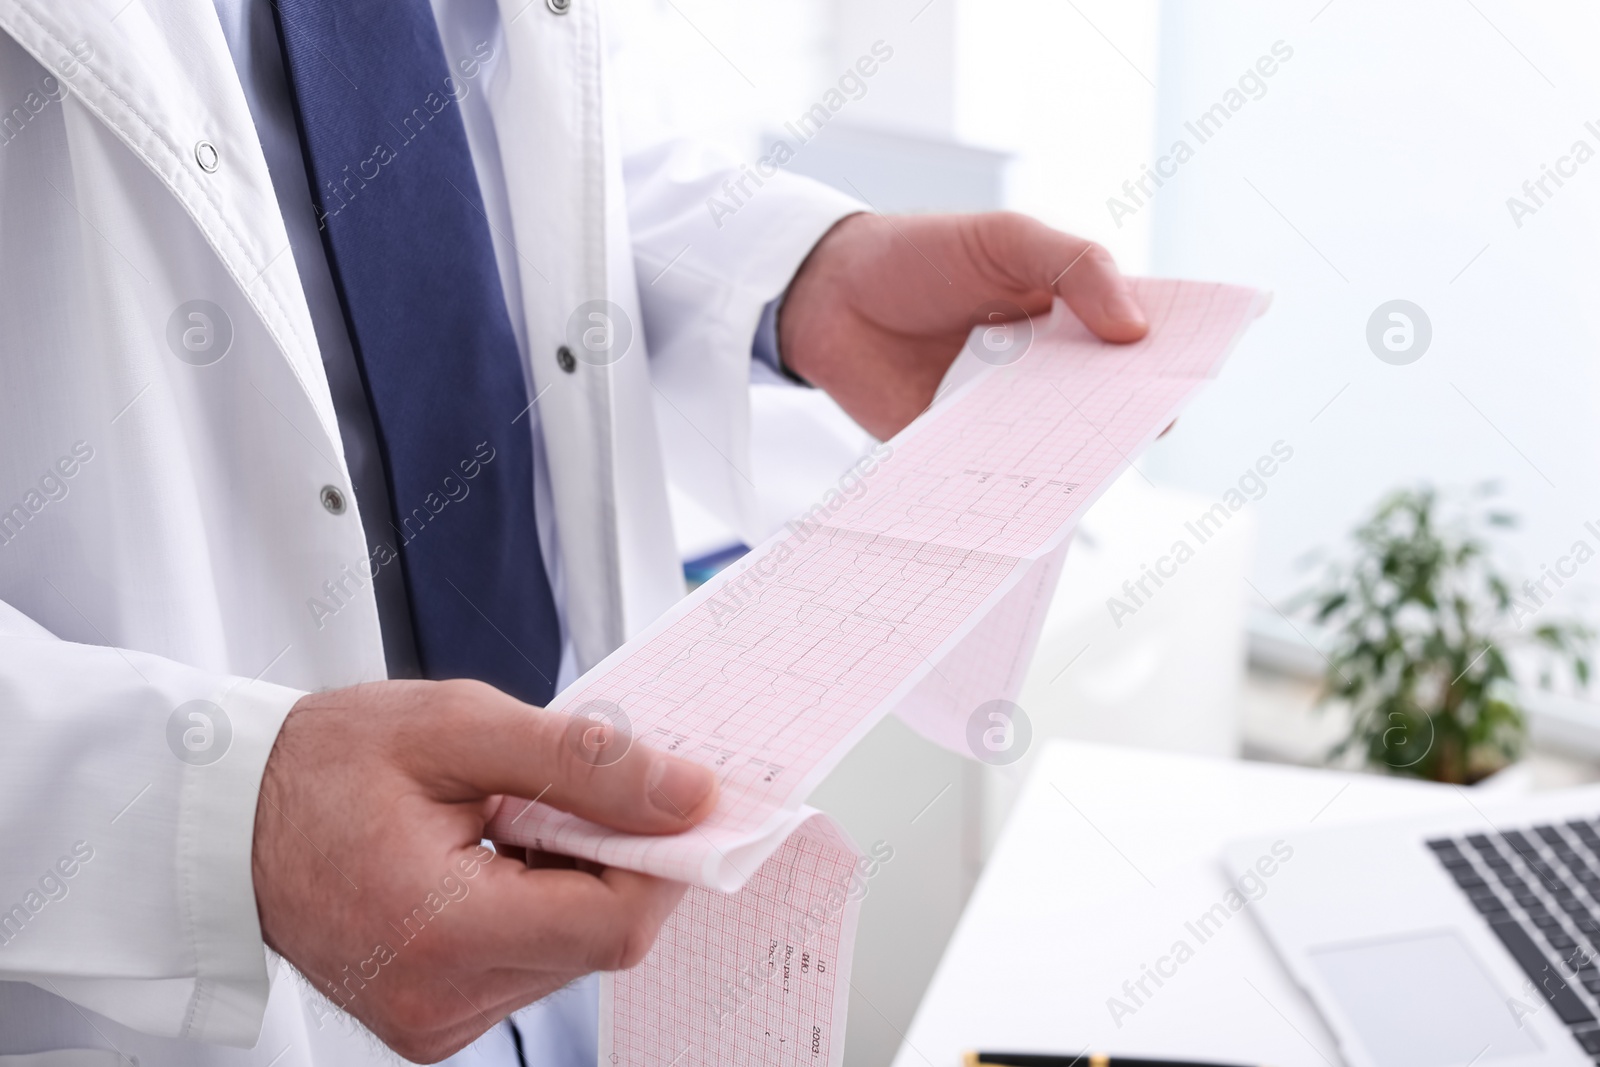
128 788
713 242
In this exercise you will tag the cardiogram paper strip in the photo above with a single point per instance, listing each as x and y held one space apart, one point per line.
758 976
919 589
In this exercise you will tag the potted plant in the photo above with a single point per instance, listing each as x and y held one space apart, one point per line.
1424 629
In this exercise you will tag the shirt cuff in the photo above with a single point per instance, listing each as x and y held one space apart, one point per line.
764 349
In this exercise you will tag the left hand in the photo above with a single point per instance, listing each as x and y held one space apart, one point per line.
371 879
882 306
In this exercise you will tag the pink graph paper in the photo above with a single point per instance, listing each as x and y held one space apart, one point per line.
920 591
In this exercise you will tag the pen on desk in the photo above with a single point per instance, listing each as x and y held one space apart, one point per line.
1083 1059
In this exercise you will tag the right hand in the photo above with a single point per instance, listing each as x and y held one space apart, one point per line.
370 877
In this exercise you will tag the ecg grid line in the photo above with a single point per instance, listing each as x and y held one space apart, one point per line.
749 977
779 659
770 670
989 664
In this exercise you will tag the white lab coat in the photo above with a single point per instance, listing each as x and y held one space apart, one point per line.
162 525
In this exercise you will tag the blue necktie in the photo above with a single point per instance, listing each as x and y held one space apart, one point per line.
404 228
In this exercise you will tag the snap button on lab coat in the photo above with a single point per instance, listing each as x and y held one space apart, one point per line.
564 357
205 154
333 499
558 7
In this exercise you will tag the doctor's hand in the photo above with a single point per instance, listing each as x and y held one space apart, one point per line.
882 306
370 877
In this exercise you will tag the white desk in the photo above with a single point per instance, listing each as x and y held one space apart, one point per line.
1108 853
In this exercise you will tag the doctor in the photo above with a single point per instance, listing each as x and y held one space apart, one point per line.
344 347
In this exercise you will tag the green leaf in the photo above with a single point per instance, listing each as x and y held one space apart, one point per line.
1423 623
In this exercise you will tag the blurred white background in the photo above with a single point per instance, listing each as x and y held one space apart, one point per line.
1377 164
1374 163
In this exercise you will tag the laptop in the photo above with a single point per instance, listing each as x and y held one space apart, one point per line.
1471 939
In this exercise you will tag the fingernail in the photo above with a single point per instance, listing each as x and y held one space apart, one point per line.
677 786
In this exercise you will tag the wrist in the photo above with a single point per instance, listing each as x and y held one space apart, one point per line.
818 289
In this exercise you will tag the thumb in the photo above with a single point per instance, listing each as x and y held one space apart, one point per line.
586 763
1081 272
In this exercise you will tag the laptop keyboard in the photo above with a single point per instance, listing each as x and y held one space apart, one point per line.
1539 891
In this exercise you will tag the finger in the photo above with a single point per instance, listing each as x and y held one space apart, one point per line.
1081 272
566 920
486 742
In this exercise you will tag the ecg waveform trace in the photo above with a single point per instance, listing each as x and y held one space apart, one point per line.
773 663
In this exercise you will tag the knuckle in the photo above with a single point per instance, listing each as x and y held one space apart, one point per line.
639 937
1012 221
458 702
599 954
573 761
418 1026
429 1049
436 1049
1011 231
463 693
398 1037
609 951
1097 255
406 1046
415 1016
